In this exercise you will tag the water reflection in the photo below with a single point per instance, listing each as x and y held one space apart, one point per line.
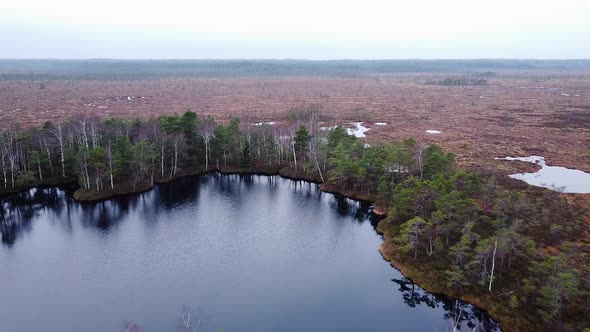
177 193
106 214
20 209
460 314
346 207
198 237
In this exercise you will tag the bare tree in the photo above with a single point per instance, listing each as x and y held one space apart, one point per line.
83 131
313 155
4 155
109 153
94 132
43 146
207 131
178 145
10 152
83 162
190 321
419 156
58 132
493 265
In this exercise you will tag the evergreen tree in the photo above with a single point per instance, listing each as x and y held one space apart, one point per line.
410 236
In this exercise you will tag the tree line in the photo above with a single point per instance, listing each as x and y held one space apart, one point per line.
523 248
102 154
458 81
106 154
526 251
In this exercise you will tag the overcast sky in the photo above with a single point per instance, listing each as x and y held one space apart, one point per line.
302 29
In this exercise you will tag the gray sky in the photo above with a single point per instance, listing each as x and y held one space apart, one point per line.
303 29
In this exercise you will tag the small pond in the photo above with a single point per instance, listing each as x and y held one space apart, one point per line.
559 178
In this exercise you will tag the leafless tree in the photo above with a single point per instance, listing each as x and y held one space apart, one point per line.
493 265
419 156
109 154
10 152
313 155
207 131
58 132
191 321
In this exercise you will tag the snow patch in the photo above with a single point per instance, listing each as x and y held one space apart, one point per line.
433 131
532 159
358 130
270 123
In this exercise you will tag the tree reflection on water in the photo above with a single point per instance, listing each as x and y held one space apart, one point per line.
459 314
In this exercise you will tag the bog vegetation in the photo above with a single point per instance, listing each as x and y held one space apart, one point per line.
521 252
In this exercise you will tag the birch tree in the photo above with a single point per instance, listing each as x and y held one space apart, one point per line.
207 131
58 132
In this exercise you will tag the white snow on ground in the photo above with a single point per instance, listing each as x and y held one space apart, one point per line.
433 131
354 129
532 159
358 130
270 123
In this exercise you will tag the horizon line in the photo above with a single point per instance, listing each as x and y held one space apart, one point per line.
297 59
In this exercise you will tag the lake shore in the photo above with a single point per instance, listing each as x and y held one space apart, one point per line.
432 281
414 273
423 275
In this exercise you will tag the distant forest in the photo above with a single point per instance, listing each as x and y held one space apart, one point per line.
110 69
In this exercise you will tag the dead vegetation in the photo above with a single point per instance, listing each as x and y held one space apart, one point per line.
514 114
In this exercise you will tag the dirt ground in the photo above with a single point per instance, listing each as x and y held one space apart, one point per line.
521 114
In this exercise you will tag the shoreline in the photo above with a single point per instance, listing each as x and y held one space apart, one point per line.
421 277
89 196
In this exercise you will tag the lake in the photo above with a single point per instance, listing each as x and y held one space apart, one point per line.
240 253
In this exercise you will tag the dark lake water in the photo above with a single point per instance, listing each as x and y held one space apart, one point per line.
241 253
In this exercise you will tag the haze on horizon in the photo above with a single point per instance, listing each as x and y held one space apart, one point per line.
306 29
